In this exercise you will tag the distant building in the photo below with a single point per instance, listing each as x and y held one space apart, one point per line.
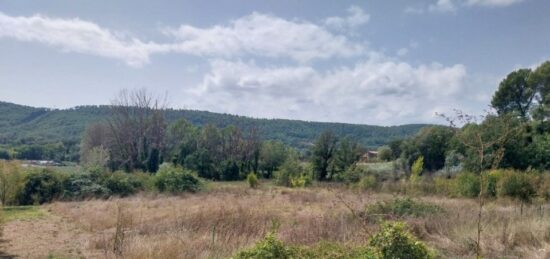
369 156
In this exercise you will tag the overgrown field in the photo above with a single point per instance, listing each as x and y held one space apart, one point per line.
230 217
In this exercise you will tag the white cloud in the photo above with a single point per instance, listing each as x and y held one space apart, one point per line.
379 91
356 18
266 36
256 34
75 35
442 6
446 6
494 3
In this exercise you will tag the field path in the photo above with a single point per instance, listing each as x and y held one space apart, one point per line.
42 237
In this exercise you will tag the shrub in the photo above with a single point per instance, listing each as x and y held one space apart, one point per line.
176 180
416 169
252 180
403 207
395 241
41 187
335 251
271 247
124 184
4 154
12 179
291 168
444 186
518 186
352 175
82 186
367 182
491 184
467 184
302 180
268 248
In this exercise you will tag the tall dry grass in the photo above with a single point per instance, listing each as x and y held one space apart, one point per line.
218 223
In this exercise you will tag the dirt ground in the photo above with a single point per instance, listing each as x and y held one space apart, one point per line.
48 236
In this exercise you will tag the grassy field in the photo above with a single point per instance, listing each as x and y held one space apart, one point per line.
230 216
10 213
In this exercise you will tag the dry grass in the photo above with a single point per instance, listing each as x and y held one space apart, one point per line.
218 223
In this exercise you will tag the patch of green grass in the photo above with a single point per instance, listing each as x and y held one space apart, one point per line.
403 208
22 213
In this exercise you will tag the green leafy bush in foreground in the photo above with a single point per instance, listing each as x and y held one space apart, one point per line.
392 242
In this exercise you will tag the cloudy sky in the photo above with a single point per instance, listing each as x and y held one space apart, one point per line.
374 62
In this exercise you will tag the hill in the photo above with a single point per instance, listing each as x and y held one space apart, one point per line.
25 125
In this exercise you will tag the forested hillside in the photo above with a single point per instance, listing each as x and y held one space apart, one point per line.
61 129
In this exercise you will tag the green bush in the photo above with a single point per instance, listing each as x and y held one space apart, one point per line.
516 185
252 180
41 187
268 248
467 184
491 184
300 181
82 186
352 175
271 247
124 184
176 180
394 241
403 207
291 168
367 182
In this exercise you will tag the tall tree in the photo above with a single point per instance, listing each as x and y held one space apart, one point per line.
138 127
540 79
515 94
347 153
272 155
322 155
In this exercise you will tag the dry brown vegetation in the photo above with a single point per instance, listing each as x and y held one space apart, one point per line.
230 217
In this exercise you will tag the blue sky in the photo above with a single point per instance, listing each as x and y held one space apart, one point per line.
375 62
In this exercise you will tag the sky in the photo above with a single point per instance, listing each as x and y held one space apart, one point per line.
369 62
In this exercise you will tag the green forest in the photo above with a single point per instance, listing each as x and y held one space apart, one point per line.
55 134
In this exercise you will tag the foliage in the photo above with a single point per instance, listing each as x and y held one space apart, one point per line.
176 180
518 186
346 154
23 125
124 184
79 186
416 169
401 207
272 156
385 153
467 184
322 155
352 175
290 169
395 241
252 180
367 182
431 143
268 248
12 180
515 93
41 186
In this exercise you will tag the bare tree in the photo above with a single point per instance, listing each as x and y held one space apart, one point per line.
138 127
